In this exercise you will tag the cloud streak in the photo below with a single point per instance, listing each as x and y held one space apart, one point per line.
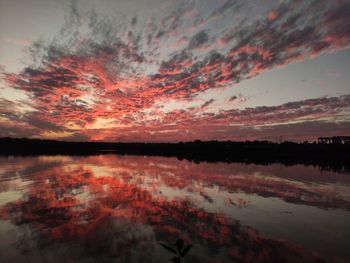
101 75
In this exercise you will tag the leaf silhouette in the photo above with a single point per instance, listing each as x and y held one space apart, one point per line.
168 248
185 251
176 260
179 244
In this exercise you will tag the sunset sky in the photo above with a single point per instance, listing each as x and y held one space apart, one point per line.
171 70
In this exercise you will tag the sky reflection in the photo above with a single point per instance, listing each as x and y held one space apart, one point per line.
112 208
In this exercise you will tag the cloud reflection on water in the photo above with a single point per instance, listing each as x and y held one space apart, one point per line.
109 207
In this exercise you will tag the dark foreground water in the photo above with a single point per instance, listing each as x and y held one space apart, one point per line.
112 208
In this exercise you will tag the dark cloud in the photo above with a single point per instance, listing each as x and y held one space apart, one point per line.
173 21
17 130
266 44
233 98
207 103
229 5
299 111
311 109
37 122
198 40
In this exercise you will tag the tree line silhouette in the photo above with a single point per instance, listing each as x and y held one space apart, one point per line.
327 156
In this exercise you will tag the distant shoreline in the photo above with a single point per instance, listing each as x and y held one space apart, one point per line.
328 156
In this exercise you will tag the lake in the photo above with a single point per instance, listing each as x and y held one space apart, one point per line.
118 208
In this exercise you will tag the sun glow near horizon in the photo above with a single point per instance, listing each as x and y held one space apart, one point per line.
171 71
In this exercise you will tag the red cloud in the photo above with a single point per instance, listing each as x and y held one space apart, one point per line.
102 83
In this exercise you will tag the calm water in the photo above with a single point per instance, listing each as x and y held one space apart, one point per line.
112 208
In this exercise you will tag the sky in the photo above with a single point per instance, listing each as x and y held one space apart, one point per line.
171 70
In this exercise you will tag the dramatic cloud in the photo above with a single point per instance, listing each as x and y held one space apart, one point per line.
107 77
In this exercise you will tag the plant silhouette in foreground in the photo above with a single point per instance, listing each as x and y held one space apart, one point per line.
179 251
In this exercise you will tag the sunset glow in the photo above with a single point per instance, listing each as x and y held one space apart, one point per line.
166 70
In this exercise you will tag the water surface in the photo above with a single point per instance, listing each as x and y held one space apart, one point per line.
111 208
